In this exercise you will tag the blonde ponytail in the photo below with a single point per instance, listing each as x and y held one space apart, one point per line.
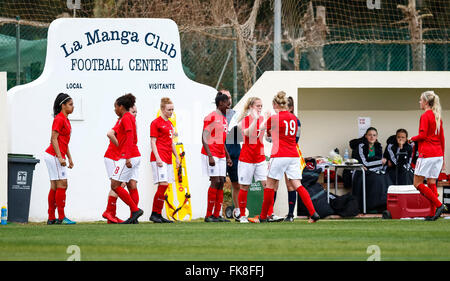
281 100
433 101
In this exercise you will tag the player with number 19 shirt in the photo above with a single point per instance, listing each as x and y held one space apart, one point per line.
282 128
284 132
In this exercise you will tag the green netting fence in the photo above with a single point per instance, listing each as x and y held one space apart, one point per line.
205 58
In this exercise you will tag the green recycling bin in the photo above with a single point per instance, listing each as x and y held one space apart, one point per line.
255 198
20 177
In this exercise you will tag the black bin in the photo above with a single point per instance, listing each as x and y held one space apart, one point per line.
446 197
20 177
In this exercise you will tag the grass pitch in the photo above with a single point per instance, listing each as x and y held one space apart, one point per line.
329 240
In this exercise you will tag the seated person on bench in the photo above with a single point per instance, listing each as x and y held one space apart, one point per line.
369 152
399 154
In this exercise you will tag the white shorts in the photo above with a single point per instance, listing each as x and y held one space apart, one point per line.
218 170
429 168
280 165
124 174
110 166
248 171
55 170
162 174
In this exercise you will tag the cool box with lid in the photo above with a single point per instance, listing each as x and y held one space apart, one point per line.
405 201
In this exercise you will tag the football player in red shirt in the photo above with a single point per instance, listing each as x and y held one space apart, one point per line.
110 158
282 128
292 192
129 156
55 159
252 160
431 150
215 156
161 136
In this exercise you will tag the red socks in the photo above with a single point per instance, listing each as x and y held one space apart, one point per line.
215 200
242 199
134 194
51 204
306 199
267 202
212 194
60 199
158 199
125 197
111 207
429 194
218 203
434 189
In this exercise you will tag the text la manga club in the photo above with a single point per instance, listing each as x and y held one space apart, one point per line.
124 37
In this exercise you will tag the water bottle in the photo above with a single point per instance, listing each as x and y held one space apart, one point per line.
4 216
346 155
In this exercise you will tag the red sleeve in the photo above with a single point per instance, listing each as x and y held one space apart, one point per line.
441 130
127 123
272 124
154 129
57 125
423 129
208 122
128 127
269 124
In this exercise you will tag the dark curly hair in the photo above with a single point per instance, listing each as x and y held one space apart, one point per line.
220 97
127 101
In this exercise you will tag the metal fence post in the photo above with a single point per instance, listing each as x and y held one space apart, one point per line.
277 36
235 90
18 50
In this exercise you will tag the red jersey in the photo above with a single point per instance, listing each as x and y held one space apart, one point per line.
431 143
113 151
163 131
127 137
253 148
61 125
216 124
283 129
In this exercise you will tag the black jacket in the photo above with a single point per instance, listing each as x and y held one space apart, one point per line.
397 156
360 151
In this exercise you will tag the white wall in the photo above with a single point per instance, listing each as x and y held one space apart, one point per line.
30 117
328 104
3 142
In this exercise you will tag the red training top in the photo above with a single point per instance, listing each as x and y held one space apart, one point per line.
162 130
283 129
113 151
253 148
216 124
431 143
127 137
61 125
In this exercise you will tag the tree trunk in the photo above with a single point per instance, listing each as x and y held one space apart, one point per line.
315 33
